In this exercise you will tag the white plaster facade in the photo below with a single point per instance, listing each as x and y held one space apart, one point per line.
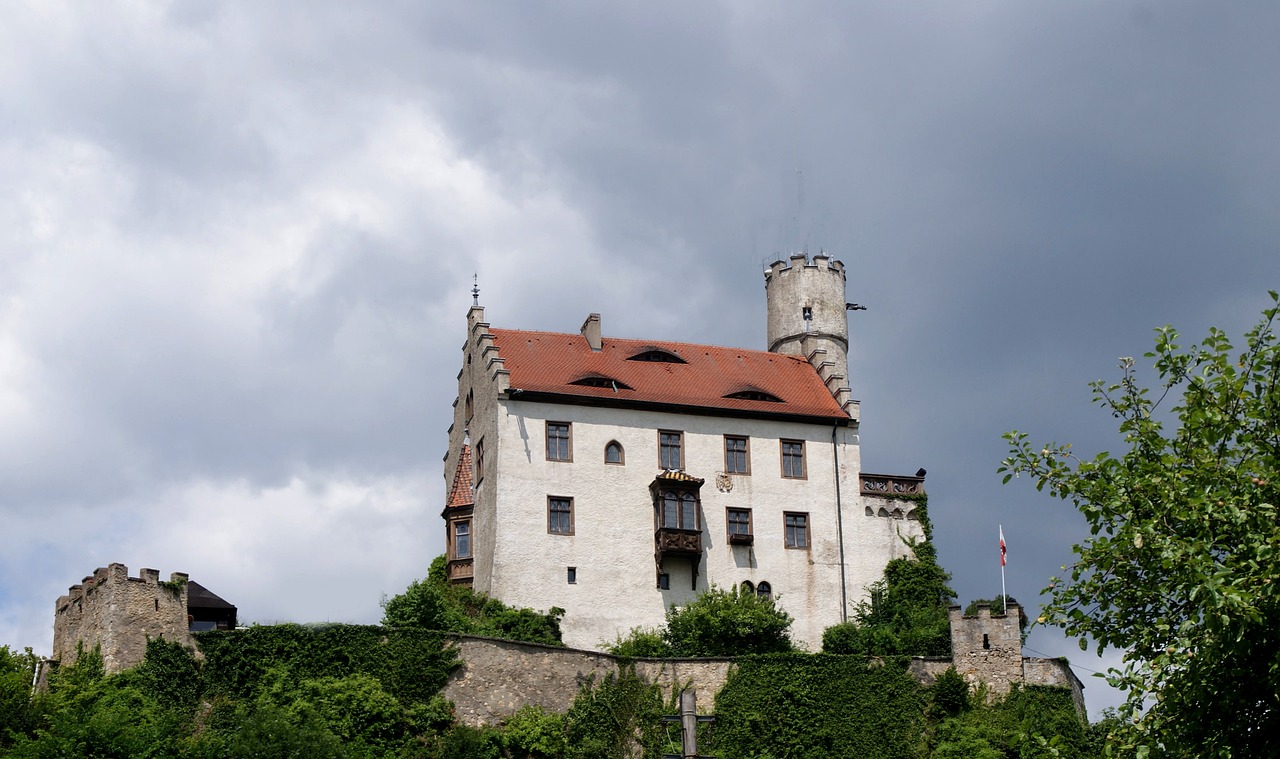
515 557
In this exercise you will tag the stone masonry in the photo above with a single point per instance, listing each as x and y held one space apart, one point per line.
119 613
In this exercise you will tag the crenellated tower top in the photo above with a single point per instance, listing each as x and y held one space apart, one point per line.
806 317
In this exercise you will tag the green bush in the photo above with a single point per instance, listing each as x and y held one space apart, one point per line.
640 643
905 615
436 604
727 623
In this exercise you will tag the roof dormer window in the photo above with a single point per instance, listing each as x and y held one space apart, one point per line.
657 355
608 383
754 395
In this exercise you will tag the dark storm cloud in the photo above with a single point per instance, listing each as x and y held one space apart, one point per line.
238 243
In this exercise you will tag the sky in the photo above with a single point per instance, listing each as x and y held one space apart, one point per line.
237 243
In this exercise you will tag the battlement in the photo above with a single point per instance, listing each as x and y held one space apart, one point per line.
799 262
117 613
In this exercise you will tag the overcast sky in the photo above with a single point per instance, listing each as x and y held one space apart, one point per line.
237 242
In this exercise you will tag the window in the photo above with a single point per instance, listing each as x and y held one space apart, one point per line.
736 460
754 395
664 581
793 459
479 460
679 510
462 539
739 521
748 588
468 407
670 455
572 575
763 590
558 448
658 355
613 452
559 515
607 383
796 530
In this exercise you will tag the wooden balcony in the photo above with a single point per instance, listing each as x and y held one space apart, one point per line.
461 570
674 542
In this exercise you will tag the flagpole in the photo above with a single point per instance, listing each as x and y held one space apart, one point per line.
1004 597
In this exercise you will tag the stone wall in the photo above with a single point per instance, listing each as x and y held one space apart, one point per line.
119 613
497 677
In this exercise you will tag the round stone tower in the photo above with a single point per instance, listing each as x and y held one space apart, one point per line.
806 317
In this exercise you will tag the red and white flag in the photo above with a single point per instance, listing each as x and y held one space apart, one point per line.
1002 550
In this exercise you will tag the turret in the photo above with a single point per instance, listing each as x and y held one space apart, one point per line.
806 317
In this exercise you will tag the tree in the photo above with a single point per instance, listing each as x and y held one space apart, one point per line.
436 604
1181 568
905 614
727 623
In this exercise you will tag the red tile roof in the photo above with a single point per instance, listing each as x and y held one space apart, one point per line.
550 362
461 493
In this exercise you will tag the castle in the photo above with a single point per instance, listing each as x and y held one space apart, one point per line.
615 477
117 614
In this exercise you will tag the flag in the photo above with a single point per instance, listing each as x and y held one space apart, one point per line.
1002 550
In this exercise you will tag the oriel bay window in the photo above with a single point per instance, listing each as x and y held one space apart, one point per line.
462 539
677 521
679 510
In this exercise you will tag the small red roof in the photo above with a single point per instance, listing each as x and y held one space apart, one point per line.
460 493
709 377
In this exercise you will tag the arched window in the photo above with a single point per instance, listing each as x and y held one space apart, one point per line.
748 588
679 510
613 452
764 590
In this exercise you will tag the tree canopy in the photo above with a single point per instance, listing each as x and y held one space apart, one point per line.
1180 570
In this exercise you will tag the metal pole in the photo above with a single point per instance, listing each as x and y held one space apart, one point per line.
688 724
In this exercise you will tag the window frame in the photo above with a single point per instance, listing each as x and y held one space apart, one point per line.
568 441
784 456
477 451
687 504
745 453
729 522
789 540
764 589
622 454
553 500
454 535
664 447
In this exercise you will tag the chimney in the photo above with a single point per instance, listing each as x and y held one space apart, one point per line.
591 331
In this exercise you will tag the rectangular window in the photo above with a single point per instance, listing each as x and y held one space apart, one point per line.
462 539
559 515
479 460
736 460
739 521
670 450
796 529
664 581
793 459
572 575
558 443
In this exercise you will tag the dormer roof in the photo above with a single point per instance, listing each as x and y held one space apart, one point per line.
700 379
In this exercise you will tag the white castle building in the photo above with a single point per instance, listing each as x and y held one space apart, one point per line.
615 477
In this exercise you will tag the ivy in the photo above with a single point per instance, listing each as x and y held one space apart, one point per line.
411 665
818 705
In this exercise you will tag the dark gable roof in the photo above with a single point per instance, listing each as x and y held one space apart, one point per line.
200 597
550 363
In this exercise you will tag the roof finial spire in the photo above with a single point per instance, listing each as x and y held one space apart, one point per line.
475 289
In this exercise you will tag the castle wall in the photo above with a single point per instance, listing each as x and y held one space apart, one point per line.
497 677
119 613
987 647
